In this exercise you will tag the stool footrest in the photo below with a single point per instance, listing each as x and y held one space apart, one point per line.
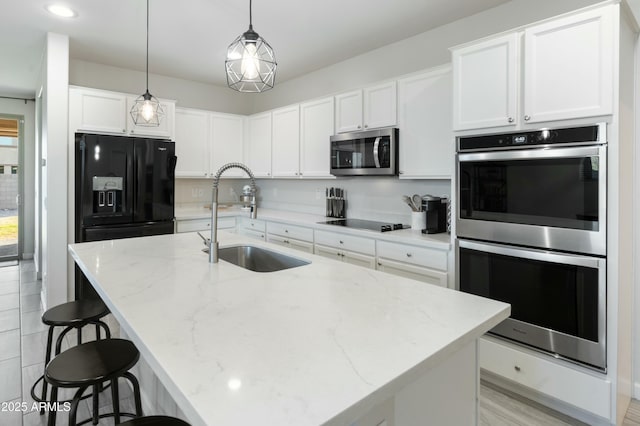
102 416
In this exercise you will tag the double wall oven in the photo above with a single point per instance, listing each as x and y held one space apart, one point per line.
531 228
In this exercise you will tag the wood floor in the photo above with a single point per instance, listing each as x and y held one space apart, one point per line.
502 408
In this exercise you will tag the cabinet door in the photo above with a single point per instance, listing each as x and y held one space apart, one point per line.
164 131
192 143
285 142
258 148
424 117
568 67
380 106
485 84
227 141
349 111
417 273
316 127
328 252
98 111
359 259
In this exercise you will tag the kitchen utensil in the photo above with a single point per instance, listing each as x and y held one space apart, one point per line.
417 201
409 202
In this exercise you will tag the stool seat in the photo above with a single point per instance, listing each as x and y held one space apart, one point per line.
155 421
75 313
93 362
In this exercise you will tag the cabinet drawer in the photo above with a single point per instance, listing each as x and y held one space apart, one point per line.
254 224
226 222
586 391
418 273
193 225
347 242
254 234
420 256
305 246
297 232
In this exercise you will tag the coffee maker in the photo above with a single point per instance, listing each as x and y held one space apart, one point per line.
436 211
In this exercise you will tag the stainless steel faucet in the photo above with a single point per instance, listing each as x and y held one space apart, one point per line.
213 241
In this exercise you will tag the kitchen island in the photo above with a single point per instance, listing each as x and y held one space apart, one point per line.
325 343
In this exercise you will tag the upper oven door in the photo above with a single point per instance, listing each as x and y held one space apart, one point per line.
364 153
551 198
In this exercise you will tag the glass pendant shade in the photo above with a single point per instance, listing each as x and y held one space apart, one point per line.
146 110
251 64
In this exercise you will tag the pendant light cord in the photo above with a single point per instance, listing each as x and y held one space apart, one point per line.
250 17
147 45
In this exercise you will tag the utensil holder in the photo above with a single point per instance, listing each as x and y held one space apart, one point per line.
418 220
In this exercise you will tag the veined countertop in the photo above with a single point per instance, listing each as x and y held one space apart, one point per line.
407 236
317 344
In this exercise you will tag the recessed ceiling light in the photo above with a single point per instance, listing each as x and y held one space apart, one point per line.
61 10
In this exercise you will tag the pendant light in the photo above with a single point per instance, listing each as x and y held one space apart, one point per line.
251 64
146 110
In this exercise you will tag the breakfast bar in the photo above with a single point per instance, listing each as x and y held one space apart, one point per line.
326 343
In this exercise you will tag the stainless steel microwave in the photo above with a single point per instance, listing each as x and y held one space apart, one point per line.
368 153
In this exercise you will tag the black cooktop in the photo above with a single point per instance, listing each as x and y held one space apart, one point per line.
365 224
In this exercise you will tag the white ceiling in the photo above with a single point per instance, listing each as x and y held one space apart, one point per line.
188 39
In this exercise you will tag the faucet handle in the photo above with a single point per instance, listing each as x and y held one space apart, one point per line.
206 241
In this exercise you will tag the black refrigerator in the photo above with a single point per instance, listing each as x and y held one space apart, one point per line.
124 187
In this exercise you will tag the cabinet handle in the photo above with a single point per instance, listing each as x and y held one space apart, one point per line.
409 255
252 224
510 119
401 172
268 174
124 130
527 118
516 368
366 125
341 242
286 230
359 126
379 264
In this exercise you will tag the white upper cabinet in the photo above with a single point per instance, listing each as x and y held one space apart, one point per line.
380 106
98 111
227 143
485 84
369 108
164 131
316 127
349 112
192 142
258 146
102 111
568 67
424 118
286 141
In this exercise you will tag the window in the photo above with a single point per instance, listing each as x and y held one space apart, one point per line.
14 170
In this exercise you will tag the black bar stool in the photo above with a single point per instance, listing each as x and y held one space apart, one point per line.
91 364
71 315
155 421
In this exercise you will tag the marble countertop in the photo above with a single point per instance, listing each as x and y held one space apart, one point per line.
317 344
408 236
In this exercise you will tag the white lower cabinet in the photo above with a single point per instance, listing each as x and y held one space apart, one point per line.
346 248
258 235
346 256
419 263
193 225
296 237
576 386
253 227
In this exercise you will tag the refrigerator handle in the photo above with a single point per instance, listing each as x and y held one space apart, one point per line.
171 165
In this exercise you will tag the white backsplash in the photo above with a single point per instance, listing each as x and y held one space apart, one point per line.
373 198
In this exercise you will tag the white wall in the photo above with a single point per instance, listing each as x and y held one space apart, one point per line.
27 110
55 116
416 53
189 94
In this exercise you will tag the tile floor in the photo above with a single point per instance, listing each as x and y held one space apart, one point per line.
23 340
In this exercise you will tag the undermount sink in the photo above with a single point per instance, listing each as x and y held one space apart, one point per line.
258 259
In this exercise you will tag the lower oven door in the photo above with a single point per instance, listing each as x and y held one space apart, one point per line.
558 301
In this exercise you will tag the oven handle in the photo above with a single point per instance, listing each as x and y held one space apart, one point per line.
525 154
535 254
376 145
